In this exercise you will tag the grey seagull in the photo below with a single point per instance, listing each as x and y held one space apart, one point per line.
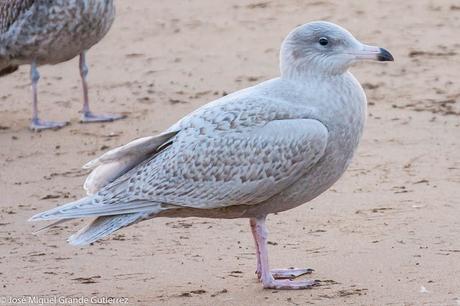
41 32
261 150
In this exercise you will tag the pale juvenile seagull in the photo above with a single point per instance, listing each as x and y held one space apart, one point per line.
40 32
261 150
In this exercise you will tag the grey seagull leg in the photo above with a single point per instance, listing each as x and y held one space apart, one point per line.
87 115
268 280
37 124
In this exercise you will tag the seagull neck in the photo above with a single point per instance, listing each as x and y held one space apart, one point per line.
307 70
308 75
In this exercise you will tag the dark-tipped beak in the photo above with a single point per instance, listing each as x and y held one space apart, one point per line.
373 53
385 56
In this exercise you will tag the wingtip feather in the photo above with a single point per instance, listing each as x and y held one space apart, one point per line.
44 228
91 164
35 218
74 241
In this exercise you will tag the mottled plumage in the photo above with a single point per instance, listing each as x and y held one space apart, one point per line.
10 10
41 32
261 150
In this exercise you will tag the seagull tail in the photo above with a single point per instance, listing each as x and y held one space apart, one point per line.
106 222
103 226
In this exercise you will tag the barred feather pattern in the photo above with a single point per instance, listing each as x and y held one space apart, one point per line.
10 10
51 31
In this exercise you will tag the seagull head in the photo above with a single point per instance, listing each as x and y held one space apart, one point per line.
322 47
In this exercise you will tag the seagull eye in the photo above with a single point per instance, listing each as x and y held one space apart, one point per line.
323 41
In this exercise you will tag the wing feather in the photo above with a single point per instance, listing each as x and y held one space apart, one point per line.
238 150
118 161
209 172
225 169
11 10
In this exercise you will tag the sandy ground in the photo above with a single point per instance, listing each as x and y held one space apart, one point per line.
386 234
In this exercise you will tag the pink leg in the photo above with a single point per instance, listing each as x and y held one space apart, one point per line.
276 273
268 281
252 223
88 116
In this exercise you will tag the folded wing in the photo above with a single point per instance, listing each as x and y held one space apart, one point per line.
207 171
